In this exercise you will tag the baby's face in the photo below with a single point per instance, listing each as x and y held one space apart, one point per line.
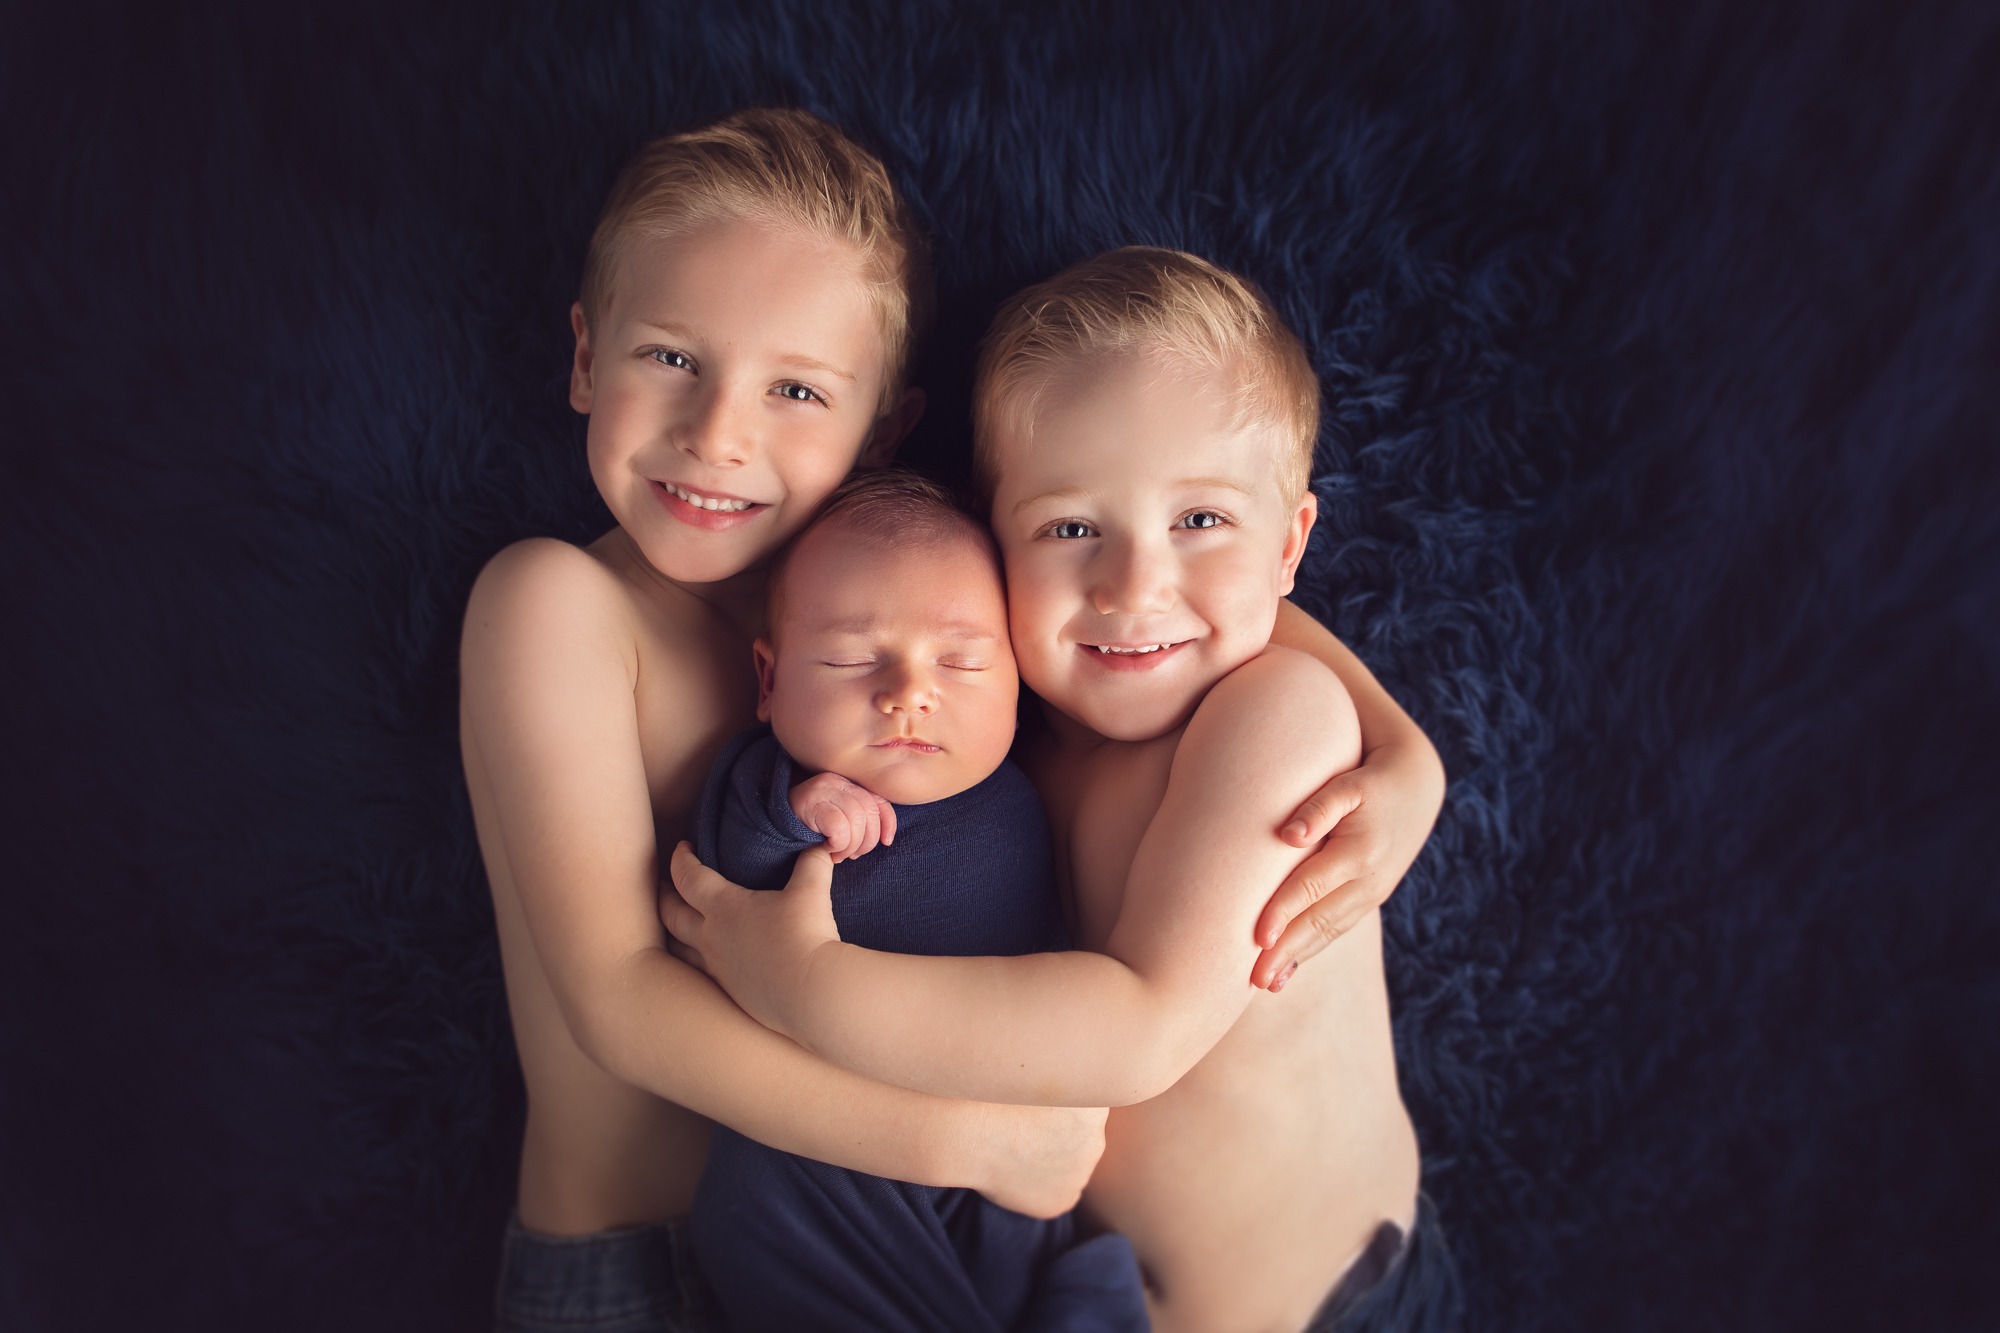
890 665
731 383
1147 540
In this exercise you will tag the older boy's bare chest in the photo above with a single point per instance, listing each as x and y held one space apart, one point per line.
694 689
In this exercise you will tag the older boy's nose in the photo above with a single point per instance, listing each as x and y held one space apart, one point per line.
1131 578
716 432
908 690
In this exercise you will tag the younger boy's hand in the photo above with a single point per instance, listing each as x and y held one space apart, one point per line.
853 820
1374 820
752 944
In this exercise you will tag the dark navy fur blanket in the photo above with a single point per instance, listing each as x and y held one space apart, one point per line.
1661 347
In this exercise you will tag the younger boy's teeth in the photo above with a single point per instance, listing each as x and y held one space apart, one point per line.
707 502
1149 648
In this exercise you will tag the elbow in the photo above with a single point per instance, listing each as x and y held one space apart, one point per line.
1153 1063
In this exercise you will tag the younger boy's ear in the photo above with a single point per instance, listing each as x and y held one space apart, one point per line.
767 675
890 428
579 370
1296 536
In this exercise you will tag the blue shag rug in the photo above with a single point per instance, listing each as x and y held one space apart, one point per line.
1661 345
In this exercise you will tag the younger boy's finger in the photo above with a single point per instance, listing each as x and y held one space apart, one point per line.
1311 881
689 955
1330 919
681 920
690 876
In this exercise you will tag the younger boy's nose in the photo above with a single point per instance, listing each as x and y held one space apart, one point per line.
1131 578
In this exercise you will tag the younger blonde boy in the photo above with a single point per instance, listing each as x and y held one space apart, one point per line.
1144 424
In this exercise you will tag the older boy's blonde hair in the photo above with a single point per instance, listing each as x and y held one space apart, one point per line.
1155 303
783 168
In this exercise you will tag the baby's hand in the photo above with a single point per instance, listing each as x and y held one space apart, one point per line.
852 819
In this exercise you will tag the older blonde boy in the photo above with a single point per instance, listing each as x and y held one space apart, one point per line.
1144 424
748 304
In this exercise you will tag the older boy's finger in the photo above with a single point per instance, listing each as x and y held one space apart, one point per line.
1319 812
1329 920
1311 880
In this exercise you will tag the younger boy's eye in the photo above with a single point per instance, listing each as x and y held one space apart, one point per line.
1201 518
1069 529
666 356
799 393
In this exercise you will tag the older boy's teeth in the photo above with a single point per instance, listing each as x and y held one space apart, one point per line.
708 502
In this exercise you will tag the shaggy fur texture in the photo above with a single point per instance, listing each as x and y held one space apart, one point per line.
1660 348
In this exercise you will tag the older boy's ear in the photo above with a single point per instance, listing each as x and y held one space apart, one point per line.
1297 535
891 427
767 674
579 370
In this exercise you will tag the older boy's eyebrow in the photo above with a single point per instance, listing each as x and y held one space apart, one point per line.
799 359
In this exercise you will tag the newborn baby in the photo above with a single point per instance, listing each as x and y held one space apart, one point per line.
890 688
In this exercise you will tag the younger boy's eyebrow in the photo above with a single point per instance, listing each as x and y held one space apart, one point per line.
1185 483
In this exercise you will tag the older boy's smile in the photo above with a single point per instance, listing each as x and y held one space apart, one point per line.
705 510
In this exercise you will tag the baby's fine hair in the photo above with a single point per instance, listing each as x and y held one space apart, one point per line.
890 506
1159 304
783 168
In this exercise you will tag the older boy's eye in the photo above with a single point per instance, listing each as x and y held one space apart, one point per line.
1202 518
799 393
1069 529
668 357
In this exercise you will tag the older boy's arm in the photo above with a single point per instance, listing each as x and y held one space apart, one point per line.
1374 818
1060 1029
552 754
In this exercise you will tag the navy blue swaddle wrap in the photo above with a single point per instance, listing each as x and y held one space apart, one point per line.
787 1242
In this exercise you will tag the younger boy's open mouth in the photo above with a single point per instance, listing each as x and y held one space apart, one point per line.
1133 656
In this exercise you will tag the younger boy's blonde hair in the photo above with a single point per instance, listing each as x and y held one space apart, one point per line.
1155 303
783 168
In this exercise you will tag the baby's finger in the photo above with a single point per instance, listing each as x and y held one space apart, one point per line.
888 821
838 829
1317 815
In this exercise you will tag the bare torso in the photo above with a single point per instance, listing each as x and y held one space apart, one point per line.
599 1153
1250 1185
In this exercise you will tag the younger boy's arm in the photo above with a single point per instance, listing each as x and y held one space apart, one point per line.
551 742
1069 1029
1374 818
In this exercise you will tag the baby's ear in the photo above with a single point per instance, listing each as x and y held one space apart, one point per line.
890 428
579 369
767 675
1296 536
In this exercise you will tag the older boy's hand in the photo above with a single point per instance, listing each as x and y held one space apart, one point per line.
1042 1156
1373 820
752 944
853 820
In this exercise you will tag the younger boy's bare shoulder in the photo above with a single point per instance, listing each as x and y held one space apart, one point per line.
1281 697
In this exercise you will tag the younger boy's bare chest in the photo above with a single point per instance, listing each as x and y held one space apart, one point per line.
1100 803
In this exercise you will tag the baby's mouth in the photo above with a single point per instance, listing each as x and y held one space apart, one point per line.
908 743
